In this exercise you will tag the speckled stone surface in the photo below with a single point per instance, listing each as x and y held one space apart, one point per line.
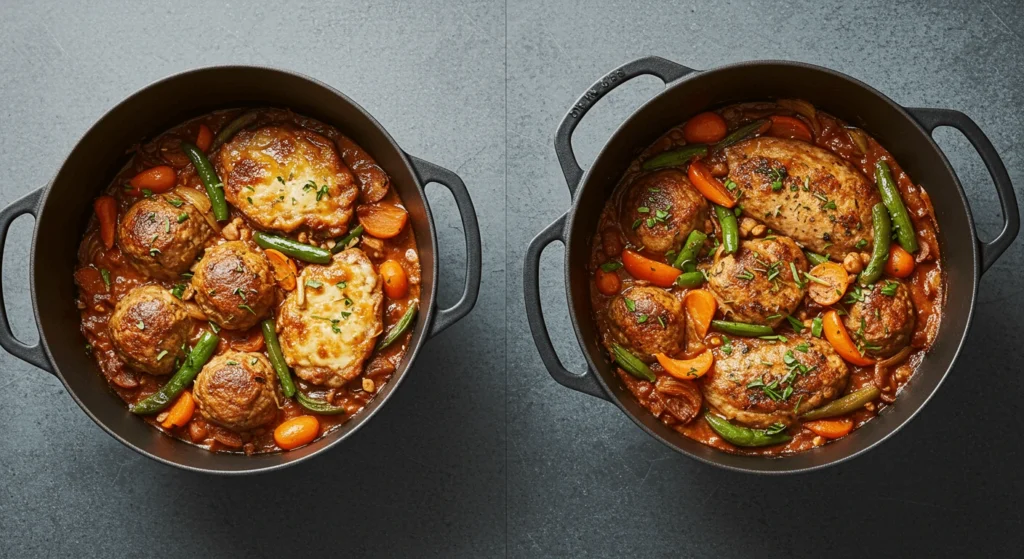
480 453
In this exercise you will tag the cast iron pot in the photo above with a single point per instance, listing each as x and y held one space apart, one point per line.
905 132
62 209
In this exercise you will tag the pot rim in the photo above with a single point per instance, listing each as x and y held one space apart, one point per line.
363 416
756 461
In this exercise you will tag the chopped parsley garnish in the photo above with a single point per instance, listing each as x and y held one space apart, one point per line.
796 324
341 285
644 210
630 304
816 279
154 252
179 290
729 184
161 355
662 322
637 223
280 179
611 266
231 362
775 338
246 307
214 327
803 347
105 274
334 321
746 275
314 284
322 192
861 244
141 325
775 428
182 217
890 288
641 319
175 202
816 327
726 345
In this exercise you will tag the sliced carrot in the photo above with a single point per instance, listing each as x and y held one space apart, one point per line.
789 127
836 334
900 263
836 280
705 128
204 138
643 268
687 369
253 342
296 432
181 412
710 187
396 283
106 213
383 221
608 283
700 307
155 179
284 269
831 428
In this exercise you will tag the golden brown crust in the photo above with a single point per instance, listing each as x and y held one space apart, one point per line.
660 209
234 285
880 323
648 320
741 284
162 239
150 328
236 390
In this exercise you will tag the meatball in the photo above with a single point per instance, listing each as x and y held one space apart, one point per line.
234 285
756 284
150 328
881 320
648 320
236 390
162 235
759 383
659 210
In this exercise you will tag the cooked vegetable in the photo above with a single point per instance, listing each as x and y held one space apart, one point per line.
214 188
814 258
676 157
842 406
232 128
401 326
689 280
706 128
643 268
700 307
816 327
836 281
730 229
252 342
106 214
742 133
880 251
709 186
608 283
789 127
296 432
284 269
686 260
154 180
831 428
631 364
284 376
804 109
204 138
348 241
396 283
687 369
181 412
198 357
295 249
197 199
742 328
836 334
382 220
744 436
859 138
900 263
894 203
318 406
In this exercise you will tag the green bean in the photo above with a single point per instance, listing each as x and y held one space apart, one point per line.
284 375
814 258
690 279
744 436
232 128
631 364
198 357
742 328
214 188
318 406
344 242
880 251
730 229
686 260
842 406
302 251
894 203
401 326
676 157
741 133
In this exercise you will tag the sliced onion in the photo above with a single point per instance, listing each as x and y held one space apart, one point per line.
859 137
895 359
804 109
200 202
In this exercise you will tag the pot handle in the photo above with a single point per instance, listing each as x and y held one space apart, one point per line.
931 119
428 172
667 70
33 354
586 382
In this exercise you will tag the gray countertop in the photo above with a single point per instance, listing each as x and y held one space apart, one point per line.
481 453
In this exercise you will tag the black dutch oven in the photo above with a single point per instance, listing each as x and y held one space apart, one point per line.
906 133
62 210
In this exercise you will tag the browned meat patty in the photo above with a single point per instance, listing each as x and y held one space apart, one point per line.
756 283
149 328
659 210
236 390
824 203
234 285
648 320
760 382
162 235
881 324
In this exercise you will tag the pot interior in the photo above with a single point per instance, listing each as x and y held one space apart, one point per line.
857 104
98 156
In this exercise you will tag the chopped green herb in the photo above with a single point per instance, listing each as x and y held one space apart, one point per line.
141 325
775 428
644 210
182 217
611 266
726 345
246 307
816 327
105 274
795 323
630 304
314 284
161 355
641 319
175 202
179 290
890 288
803 347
